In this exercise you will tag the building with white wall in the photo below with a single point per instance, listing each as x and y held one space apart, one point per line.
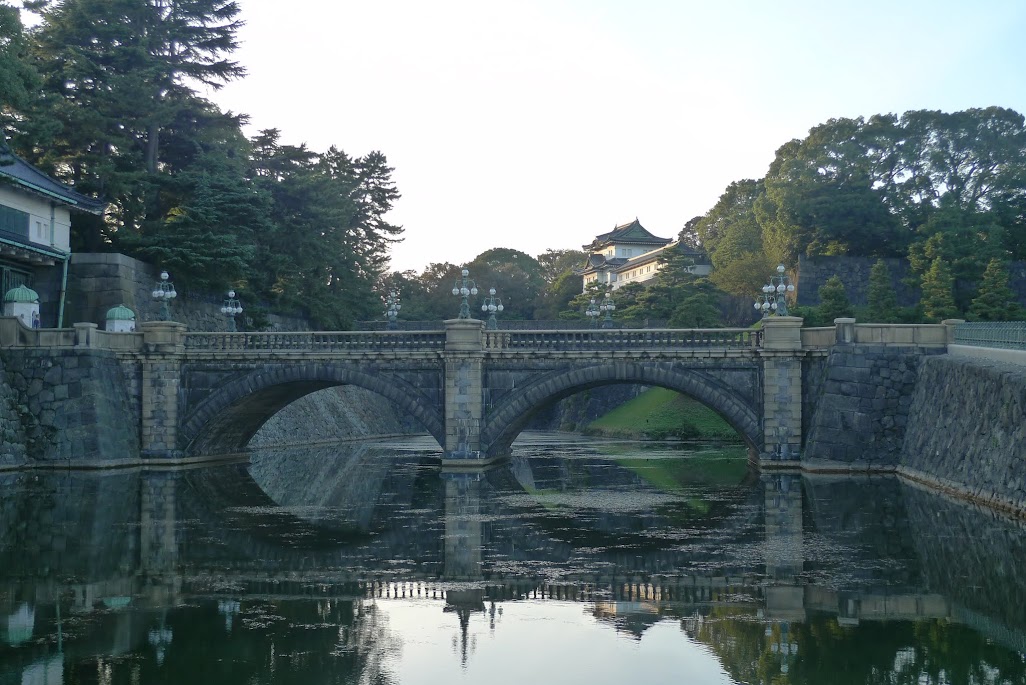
630 254
35 232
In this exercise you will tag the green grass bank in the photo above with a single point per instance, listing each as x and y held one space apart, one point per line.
661 414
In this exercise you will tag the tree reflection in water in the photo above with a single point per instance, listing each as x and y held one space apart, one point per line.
320 565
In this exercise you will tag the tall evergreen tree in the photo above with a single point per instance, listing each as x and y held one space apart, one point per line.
938 299
996 301
833 301
19 82
325 248
883 301
134 60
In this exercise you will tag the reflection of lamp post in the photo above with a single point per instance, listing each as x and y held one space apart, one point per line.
608 306
230 308
774 300
160 638
592 313
492 304
229 608
392 307
164 292
464 288
782 646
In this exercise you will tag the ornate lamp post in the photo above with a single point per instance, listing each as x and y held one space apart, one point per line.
492 304
608 306
230 308
164 292
392 307
774 294
464 288
592 313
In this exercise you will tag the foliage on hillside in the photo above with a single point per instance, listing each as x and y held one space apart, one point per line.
106 96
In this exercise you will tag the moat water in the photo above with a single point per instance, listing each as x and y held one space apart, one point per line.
578 561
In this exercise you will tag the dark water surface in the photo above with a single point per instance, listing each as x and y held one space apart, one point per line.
579 561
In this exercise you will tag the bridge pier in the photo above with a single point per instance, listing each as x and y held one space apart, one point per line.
464 390
781 353
164 348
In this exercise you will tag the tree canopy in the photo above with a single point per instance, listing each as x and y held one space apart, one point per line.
104 95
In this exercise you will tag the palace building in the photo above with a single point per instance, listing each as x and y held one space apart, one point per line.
35 233
630 254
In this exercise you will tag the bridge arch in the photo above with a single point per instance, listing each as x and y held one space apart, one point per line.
509 416
231 415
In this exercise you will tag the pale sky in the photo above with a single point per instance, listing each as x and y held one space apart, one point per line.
539 124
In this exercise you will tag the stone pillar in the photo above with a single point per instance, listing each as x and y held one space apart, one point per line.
464 388
949 329
844 331
163 349
781 354
85 334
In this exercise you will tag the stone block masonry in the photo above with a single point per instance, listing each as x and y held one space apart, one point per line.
862 413
967 430
72 406
12 432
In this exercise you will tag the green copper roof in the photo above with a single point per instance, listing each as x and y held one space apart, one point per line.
120 313
632 234
22 294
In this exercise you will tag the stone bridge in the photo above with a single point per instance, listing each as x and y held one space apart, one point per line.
192 394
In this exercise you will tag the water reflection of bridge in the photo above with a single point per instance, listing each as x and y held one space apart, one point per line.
470 539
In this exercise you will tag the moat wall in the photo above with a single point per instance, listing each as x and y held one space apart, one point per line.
859 403
68 405
967 430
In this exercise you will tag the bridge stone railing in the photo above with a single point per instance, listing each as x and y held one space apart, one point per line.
13 333
1009 335
317 341
623 339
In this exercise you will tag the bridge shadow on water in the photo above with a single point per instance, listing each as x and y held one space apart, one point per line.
322 536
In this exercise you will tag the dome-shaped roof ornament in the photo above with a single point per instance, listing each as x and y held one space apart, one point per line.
22 295
120 313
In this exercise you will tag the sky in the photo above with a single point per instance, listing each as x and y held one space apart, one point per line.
537 125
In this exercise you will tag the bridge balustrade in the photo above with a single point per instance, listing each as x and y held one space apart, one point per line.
1009 335
623 339
317 341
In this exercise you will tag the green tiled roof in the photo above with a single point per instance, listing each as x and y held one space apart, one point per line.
22 294
120 313
633 233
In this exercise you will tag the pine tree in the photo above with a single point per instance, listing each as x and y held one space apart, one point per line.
883 301
995 300
833 300
938 300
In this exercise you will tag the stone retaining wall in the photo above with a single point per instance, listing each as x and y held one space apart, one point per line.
72 405
12 433
100 281
862 414
342 413
967 430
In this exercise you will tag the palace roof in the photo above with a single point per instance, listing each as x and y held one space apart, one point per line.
632 233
